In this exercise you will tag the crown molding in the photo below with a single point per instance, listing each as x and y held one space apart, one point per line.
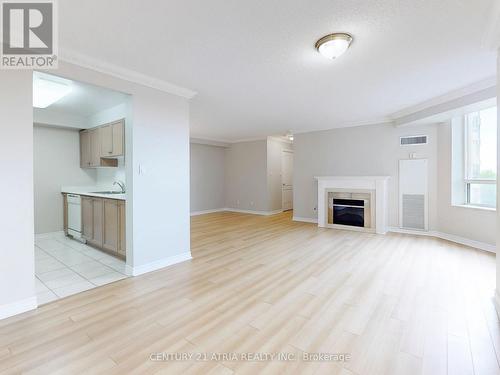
116 71
209 142
282 139
486 84
352 124
254 139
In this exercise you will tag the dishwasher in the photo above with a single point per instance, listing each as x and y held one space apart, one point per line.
75 216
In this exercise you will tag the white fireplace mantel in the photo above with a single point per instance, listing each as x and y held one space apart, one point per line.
376 184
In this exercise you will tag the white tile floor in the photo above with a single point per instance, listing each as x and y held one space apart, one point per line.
64 267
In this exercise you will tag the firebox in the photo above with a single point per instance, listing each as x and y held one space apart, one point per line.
351 209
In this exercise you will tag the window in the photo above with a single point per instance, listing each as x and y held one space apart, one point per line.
480 175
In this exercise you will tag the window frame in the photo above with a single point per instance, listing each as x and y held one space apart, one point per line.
468 181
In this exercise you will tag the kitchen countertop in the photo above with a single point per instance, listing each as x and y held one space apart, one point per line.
89 191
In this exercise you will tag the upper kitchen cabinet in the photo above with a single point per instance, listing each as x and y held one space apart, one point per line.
112 139
85 150
100 146
95 147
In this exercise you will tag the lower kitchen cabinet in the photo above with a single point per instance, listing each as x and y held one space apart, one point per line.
87 218
111 225
97 222
103 224
122 248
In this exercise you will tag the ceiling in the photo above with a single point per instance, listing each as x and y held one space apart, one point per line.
254 66
84 100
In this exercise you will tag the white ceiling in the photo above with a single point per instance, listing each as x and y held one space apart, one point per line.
254 66
84 100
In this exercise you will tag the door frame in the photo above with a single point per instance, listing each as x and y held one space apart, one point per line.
284 151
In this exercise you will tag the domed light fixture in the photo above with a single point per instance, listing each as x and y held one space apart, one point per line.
333 45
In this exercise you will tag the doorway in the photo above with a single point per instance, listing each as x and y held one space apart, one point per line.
287 179
79 175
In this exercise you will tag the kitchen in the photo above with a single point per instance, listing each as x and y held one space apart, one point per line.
80 135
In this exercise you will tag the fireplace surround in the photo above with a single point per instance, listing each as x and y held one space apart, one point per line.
353 203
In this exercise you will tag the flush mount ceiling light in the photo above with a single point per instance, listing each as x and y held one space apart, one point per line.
47 91
333 45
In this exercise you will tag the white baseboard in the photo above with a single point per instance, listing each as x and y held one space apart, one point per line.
265 213
305 219
228 209
449 237
18 307
412 231
41 236
196 213
158 264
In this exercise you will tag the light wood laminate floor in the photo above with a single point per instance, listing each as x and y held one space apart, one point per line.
397 304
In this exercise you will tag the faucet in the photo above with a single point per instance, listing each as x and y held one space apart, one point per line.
121 184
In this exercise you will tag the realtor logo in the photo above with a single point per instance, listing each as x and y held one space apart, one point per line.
28 35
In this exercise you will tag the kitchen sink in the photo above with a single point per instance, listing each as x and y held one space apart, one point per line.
107 192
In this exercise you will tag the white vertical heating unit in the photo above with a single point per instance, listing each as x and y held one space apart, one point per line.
413 194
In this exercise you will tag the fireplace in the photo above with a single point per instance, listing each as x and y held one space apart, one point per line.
351 209
360 203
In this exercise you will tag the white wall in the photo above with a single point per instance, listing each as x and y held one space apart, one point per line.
207 171
161 191
471 223
275 150
365 150
107 176
246 184
245 175
17 290
56 163
48 117
109 115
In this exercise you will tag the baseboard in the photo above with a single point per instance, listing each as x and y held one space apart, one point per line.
196 213
18 307
449 237
252 212
412 231
41 236
158 264
467 242
305 219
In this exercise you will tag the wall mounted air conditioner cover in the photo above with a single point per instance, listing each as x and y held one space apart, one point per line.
413 194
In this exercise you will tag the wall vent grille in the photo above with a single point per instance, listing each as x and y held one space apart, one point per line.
414 211
413 140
